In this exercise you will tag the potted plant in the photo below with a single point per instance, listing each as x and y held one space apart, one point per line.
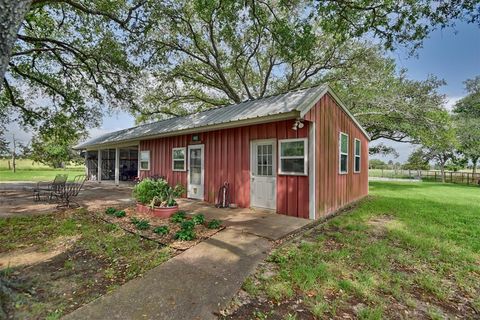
157 197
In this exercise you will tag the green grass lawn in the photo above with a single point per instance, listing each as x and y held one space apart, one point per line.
29 171
411 250
90 258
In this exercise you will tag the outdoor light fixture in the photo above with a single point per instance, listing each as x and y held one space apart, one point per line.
298 124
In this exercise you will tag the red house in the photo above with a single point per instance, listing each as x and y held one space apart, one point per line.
300 153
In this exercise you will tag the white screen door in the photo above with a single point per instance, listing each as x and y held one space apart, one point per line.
263 184
195 171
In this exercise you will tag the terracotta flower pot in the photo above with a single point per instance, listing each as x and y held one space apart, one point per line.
166 212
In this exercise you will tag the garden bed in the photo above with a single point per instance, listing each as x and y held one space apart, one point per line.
73 258
200 230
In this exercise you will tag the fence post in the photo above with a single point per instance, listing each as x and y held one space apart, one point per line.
451 177
468 178
435 176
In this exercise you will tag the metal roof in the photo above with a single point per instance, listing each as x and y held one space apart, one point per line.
299 100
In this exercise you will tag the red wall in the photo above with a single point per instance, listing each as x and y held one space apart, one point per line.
334 190
227 158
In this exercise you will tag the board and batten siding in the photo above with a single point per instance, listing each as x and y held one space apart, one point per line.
334 190
227 158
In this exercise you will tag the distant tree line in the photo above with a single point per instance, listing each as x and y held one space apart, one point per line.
453 146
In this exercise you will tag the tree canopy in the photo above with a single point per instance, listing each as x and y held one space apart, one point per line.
213 53
467 119
70 63
4 147
417 160
387 103
75 59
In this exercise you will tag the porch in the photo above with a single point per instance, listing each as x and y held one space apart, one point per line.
263 223
112 164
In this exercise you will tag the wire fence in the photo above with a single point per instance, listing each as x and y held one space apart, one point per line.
427 175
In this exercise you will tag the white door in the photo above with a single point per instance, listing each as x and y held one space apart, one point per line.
263 180
195 172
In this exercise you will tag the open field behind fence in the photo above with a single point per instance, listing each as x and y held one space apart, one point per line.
427 175
29 171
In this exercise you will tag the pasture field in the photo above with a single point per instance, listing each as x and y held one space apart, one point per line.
27 170
408 251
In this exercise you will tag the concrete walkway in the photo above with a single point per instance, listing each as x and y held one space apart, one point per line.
192 285
202 280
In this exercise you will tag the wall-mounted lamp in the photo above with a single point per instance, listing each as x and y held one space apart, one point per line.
298 124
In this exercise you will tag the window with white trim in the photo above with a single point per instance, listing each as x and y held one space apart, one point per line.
293 156
179 159
343 150
356 163
145 160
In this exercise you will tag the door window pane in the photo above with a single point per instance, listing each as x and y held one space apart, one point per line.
195 166
264 160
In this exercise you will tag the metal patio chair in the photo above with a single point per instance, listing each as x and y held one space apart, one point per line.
65 197
46 190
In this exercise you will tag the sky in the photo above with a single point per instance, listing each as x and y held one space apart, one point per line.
451 54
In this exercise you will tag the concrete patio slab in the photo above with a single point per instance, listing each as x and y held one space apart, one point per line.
262 223
193 285
17 198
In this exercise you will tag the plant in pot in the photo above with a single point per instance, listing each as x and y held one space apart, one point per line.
157 197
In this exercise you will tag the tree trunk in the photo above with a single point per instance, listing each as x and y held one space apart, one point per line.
12 14
14 165
442 170
474 170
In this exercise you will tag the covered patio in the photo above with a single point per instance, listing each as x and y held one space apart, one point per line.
119 163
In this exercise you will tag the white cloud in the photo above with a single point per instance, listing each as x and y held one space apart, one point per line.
450 103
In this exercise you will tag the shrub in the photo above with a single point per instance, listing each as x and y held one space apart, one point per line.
188 225
185 235
157 192
178 217
134 220
162 230
110 211
198 218
120 213
140 224
214 224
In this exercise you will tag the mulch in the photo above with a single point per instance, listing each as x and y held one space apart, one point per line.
201 231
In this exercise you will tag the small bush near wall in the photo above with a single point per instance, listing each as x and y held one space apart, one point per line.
157 193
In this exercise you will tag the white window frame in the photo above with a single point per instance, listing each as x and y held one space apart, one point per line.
184 159
355 155
340 153
140 160
305 157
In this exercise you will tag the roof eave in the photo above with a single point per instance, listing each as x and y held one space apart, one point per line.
226 125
